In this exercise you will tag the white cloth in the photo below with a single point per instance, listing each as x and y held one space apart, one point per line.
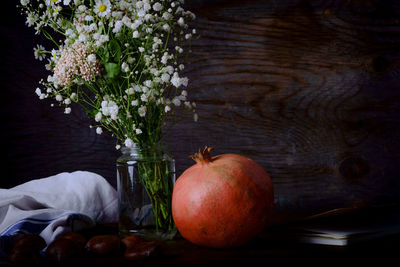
61 203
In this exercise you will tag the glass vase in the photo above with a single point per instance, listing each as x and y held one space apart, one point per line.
145 180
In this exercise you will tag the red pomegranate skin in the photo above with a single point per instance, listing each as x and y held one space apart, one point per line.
222 202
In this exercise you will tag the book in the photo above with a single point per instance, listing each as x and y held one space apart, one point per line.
343 227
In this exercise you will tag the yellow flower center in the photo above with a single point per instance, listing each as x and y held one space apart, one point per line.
102 8
54 1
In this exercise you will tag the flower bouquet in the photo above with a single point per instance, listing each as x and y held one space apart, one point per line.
120 60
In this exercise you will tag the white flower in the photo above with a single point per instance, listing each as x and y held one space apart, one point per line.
109 108
177 81
92 58
67 110
99 130
167 109
67 101
129 143
82 38
142 111
59 98
69 32
146 6
24 2
38 52
141 49
130 91
181 22
127 21
54 55
195 117
166 15
82 8
117 147
38 91
166 27
135 103
131 60
92 27
89 18
66 2
165 77
117 26
124 67
102 8
31 19
138 131
136 24
157 7
139 4
135 34
73 97
98 117
176 101
141 13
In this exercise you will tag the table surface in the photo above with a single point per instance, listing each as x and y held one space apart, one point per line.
280 244
276 245
266 250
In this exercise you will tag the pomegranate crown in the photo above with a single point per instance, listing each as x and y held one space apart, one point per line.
202 156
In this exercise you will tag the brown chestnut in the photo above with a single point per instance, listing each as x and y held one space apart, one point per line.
32 241
103 244
27 249
77 238
143 250
131 241
61 250
24 255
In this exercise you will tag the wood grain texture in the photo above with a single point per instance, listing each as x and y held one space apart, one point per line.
308 89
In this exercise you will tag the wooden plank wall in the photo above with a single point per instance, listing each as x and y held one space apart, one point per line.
308 89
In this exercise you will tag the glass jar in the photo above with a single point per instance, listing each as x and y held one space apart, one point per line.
145 180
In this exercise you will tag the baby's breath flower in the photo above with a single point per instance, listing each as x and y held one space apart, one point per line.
125 67
129 143
99 130
157 7
38 91
24 2
98 117
142 111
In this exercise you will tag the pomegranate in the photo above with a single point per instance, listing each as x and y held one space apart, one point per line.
222 201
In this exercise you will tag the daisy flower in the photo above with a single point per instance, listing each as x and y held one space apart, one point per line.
102 8
39 52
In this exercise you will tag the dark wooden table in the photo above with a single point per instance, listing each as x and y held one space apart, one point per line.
267 251
277 245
